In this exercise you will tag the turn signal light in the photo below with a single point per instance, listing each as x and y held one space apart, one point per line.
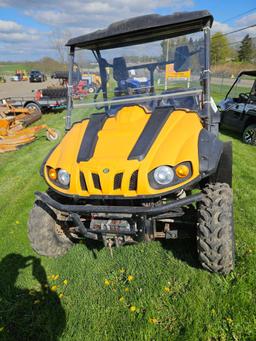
182 171
52 174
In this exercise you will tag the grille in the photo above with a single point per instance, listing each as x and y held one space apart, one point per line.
118 180
83 182
134 181
96 180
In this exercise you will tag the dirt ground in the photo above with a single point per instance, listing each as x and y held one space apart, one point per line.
22 88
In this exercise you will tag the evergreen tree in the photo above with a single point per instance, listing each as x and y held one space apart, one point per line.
246 51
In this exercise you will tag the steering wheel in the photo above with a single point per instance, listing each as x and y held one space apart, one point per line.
243 97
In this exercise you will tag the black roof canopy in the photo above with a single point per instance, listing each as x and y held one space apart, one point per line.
247 73
143 29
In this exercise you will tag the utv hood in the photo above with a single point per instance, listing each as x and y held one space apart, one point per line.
114 156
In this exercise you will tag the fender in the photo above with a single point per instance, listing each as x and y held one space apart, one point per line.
210 150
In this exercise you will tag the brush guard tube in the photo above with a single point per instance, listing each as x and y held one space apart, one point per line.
135 210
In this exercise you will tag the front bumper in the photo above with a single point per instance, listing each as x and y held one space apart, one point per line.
134 210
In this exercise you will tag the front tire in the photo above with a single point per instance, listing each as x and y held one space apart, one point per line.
215 232
46 233
249 135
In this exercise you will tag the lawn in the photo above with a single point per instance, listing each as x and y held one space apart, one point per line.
10 68
167 297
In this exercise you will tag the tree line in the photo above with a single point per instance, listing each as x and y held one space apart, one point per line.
223 51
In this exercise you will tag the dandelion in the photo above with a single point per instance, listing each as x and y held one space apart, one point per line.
1 329
229 320
152 320
65 282
133 308
107 282
17 222
121 299
126 289
61 295
56 277
54 288
36 301
130 278
52 277
167 289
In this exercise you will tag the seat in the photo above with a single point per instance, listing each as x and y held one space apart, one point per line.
120 72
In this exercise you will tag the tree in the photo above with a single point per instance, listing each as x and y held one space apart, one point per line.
220 50
246 51
58 40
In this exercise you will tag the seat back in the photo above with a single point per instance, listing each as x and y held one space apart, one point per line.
120 72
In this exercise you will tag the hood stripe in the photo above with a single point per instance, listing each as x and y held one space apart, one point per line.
90 137
150 133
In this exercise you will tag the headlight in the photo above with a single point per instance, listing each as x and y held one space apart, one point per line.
63 177
163 175
166 176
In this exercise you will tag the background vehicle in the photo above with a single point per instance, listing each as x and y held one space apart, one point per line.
238 109
145 166
82 84
93 81
20 75
45 100
37 76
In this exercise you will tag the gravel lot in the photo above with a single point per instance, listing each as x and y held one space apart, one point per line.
22 88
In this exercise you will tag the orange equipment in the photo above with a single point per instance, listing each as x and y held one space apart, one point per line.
13 127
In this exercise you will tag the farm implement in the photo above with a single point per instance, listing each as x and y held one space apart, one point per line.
14 130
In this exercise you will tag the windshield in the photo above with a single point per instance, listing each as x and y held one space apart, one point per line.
161 73
243 85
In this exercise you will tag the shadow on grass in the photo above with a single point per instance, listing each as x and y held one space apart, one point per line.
25 314
93 246
184 250
233 135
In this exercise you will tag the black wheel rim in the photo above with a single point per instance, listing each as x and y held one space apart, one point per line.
250 136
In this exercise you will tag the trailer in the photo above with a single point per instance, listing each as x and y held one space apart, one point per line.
43 104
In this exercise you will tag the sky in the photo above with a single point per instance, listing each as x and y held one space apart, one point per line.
29 29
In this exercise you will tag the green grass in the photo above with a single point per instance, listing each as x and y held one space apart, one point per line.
10 68
198 306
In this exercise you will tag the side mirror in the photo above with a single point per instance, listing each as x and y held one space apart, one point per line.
181 58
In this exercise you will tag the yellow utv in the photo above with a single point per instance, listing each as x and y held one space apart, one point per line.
144 165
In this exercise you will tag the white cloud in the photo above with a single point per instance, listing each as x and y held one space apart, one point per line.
68 18
241 23
9 26
247 20
221 27
95 14
17 37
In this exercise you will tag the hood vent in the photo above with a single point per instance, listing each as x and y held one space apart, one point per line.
134 181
